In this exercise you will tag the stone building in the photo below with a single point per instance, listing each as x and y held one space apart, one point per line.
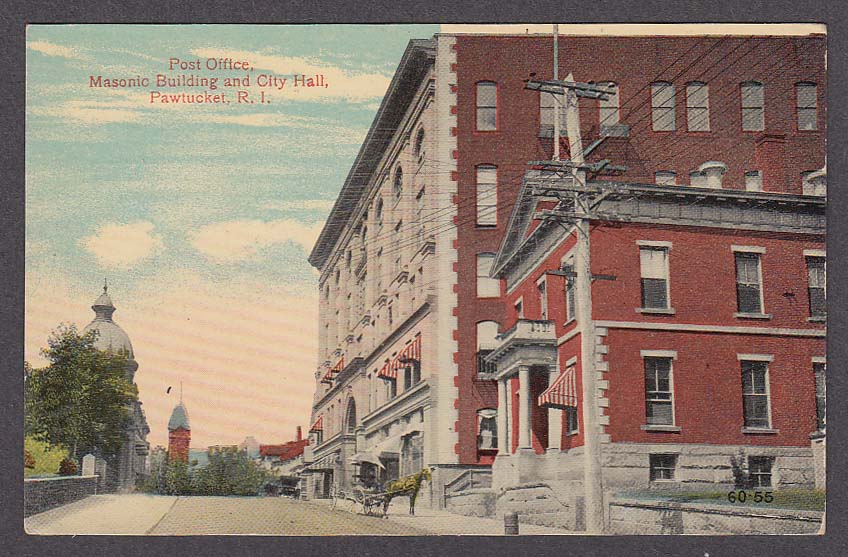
126 468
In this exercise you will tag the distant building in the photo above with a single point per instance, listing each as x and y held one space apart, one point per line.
129 465
251 446
179 434
285 459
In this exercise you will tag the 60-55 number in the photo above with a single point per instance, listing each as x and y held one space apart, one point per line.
742 496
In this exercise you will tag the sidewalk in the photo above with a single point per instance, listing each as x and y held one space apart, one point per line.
444 523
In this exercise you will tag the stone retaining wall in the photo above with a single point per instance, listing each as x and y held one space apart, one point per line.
625 516
472 502
41 494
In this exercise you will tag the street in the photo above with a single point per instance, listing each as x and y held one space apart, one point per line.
138 514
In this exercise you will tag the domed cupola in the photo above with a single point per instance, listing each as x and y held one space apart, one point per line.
111 337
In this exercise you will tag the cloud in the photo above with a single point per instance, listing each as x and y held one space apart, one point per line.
342 83
299 205
239 240
51 49
120 246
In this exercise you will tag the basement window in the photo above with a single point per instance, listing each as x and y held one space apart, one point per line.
662 466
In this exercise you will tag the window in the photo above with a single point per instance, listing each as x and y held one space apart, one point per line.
391 388
662 106
570 289
487 195
608 109
654 266
411 375
547 102
379 212
390 315
753 111
807 106
487 430
662 466
753 180
487 287
698 179
418 148
397 185
759 470
412 454
697 107
659 403
820 371
543 299
519 309
487 332
817 285
487 106
755 398
748 283
665 178
570 420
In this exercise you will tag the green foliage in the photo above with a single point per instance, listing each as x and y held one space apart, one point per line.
46 458
178 480
81 399
229 472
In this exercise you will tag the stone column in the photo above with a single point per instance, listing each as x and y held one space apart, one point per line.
503 416
554 418
524 419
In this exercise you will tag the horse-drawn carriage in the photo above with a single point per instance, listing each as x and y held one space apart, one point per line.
375 501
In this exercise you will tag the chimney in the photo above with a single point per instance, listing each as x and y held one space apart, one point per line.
299 435
714 171
770 158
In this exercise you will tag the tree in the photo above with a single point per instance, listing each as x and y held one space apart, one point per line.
177 478
81 399
229 472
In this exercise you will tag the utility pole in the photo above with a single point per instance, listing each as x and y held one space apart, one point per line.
556 97
580 196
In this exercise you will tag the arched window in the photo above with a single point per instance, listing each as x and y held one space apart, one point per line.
753 106
397 185
418 147
608 109
379 212
662 106
697 107
806 103
487 429
487 106
487 332
350 418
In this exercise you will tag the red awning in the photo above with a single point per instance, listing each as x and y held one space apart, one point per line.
318 425
407 356
562 392
333 371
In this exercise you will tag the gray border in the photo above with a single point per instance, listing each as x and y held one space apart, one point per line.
12 92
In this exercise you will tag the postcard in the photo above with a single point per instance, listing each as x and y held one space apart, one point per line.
413 280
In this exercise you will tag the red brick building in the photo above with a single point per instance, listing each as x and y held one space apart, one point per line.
708 125
179 434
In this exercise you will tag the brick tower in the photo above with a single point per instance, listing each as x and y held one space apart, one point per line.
179 433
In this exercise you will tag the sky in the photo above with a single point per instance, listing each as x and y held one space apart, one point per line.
200 216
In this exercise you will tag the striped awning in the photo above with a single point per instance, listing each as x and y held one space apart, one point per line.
562 392
326 462
318 425
407 356
333 371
